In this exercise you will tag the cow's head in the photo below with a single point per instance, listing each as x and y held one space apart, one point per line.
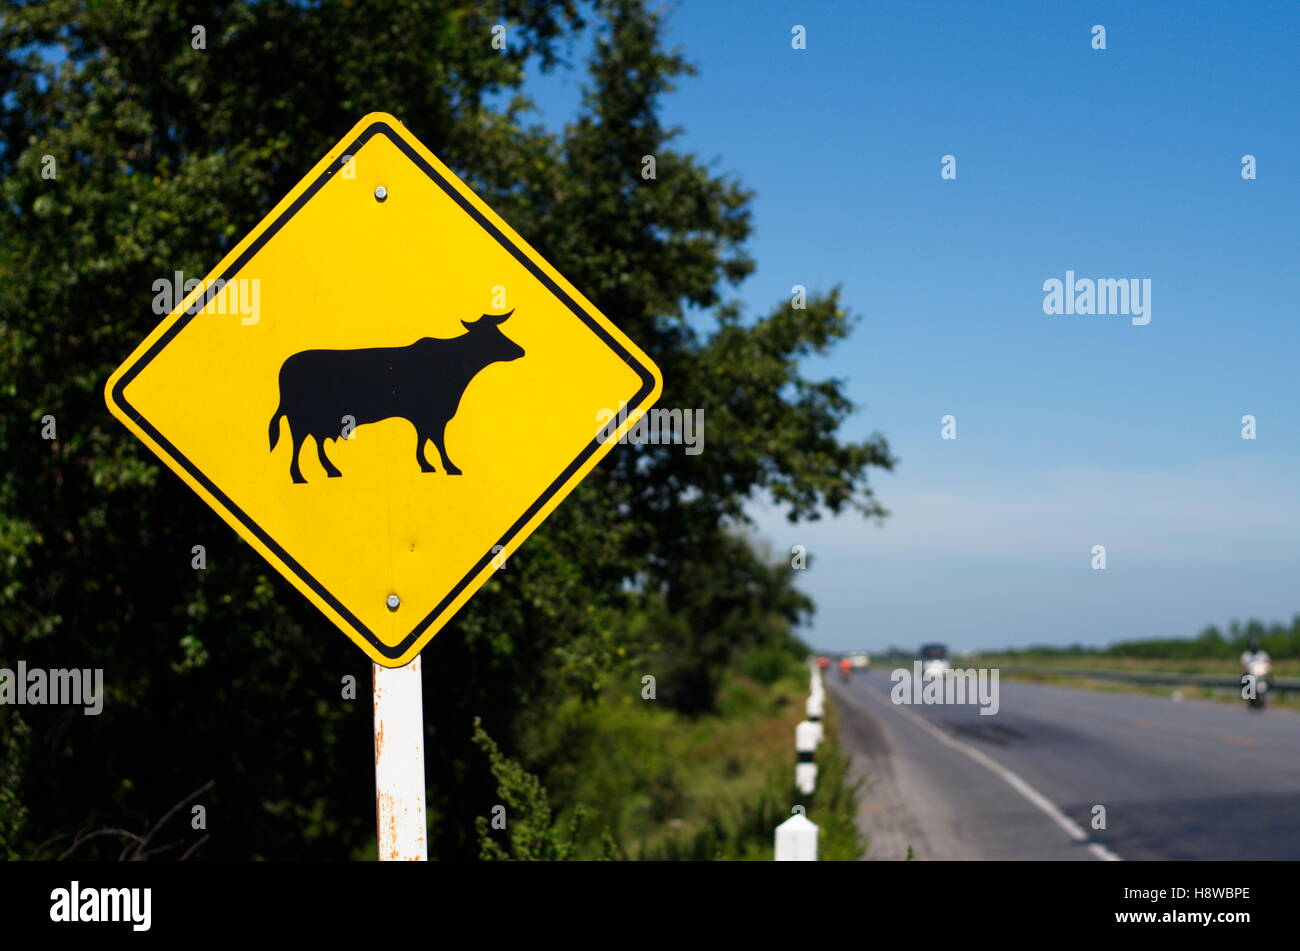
490 342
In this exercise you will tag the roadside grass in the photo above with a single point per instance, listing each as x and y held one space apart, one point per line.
652 784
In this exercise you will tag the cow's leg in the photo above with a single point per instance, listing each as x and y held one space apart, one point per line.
294 472
420 457
324 459
440 440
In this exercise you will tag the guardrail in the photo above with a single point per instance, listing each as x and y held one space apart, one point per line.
1154 677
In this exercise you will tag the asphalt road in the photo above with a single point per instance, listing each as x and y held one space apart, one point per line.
1178 780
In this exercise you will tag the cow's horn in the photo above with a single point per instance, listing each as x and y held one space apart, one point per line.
486 320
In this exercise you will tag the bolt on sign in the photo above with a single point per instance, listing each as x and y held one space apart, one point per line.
414 392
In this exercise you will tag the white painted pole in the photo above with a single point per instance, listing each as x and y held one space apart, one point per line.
796 840
399 764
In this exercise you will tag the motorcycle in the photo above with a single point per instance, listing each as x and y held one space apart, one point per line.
1258 669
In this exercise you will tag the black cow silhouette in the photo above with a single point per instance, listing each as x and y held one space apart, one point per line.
422 383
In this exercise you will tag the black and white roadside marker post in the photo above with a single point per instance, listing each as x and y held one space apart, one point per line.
796 839
814 709
805 744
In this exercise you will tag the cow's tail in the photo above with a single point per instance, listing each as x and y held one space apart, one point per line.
275 426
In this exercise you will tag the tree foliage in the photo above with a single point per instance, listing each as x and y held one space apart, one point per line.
1281 641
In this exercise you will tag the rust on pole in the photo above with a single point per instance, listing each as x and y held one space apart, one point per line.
399 764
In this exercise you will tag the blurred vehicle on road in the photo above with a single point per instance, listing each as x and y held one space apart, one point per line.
934 660
1256 662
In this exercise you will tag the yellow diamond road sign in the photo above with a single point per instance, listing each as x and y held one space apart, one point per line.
383 389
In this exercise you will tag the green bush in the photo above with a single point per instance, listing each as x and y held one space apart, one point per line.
769 663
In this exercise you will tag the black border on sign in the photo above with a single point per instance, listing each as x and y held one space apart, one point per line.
119 390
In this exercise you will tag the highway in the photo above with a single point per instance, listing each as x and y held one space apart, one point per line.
1178 780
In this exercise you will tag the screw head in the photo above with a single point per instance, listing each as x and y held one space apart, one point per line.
393 602
381 193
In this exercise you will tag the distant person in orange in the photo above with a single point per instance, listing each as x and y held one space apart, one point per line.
846 668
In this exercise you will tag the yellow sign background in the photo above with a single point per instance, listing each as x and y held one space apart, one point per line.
338 269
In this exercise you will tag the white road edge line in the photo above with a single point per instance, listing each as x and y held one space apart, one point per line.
1044 804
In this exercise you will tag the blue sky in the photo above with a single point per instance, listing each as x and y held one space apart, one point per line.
1071 431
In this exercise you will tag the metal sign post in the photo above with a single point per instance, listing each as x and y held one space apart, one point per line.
399 764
